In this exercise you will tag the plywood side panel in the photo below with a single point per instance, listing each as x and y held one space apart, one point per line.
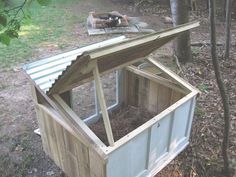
51 136
143 92
97 165
163 97
148 95
175 96
70 154
152 104
132 89
40 118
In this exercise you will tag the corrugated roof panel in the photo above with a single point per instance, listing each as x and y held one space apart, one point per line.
48 71
50 77
114 56
44 72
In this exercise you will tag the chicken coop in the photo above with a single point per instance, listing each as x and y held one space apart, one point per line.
145 127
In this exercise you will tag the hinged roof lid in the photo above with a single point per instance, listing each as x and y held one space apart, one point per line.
70 70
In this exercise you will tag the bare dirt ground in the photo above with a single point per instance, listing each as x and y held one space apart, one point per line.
21 152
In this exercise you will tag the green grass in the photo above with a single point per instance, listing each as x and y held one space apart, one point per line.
49 27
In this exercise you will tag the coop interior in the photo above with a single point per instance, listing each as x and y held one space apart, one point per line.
133 95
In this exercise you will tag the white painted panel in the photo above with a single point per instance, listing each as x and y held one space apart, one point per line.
130 159
190 121
180 121
159 140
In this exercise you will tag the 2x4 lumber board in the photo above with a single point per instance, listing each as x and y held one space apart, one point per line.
144 39
157 79
124 87
173 75
103 107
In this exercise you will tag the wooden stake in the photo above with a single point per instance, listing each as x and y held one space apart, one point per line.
102 104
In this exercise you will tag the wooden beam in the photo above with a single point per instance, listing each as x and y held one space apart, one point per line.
173 75
102 104
157 79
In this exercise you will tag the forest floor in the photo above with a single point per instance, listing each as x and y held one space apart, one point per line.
21 153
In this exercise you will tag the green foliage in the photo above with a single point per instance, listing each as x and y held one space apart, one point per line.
11 19
3 20
46 30
4 38
44 2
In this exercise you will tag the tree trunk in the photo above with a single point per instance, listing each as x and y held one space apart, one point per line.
222 89
180 15
227 27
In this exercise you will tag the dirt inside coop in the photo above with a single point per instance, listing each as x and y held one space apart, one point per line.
124 119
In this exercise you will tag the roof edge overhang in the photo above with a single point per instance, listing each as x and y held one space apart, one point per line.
114 56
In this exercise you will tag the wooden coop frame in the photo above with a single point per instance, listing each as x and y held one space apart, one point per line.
74 147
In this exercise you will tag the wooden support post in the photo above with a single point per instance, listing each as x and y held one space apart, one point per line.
102 104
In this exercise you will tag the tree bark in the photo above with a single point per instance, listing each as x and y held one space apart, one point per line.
227 27
221 86
180 15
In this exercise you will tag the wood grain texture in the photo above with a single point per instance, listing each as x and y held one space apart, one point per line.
149 94
103 106
68 152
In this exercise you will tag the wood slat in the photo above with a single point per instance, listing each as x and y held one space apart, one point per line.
102 105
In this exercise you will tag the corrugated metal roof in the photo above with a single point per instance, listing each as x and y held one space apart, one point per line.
44 72
62 72
113 57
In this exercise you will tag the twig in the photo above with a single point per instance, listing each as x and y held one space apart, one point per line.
199 44
177 63
20 8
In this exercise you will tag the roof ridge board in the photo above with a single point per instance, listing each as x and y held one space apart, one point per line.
149 37
174 31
